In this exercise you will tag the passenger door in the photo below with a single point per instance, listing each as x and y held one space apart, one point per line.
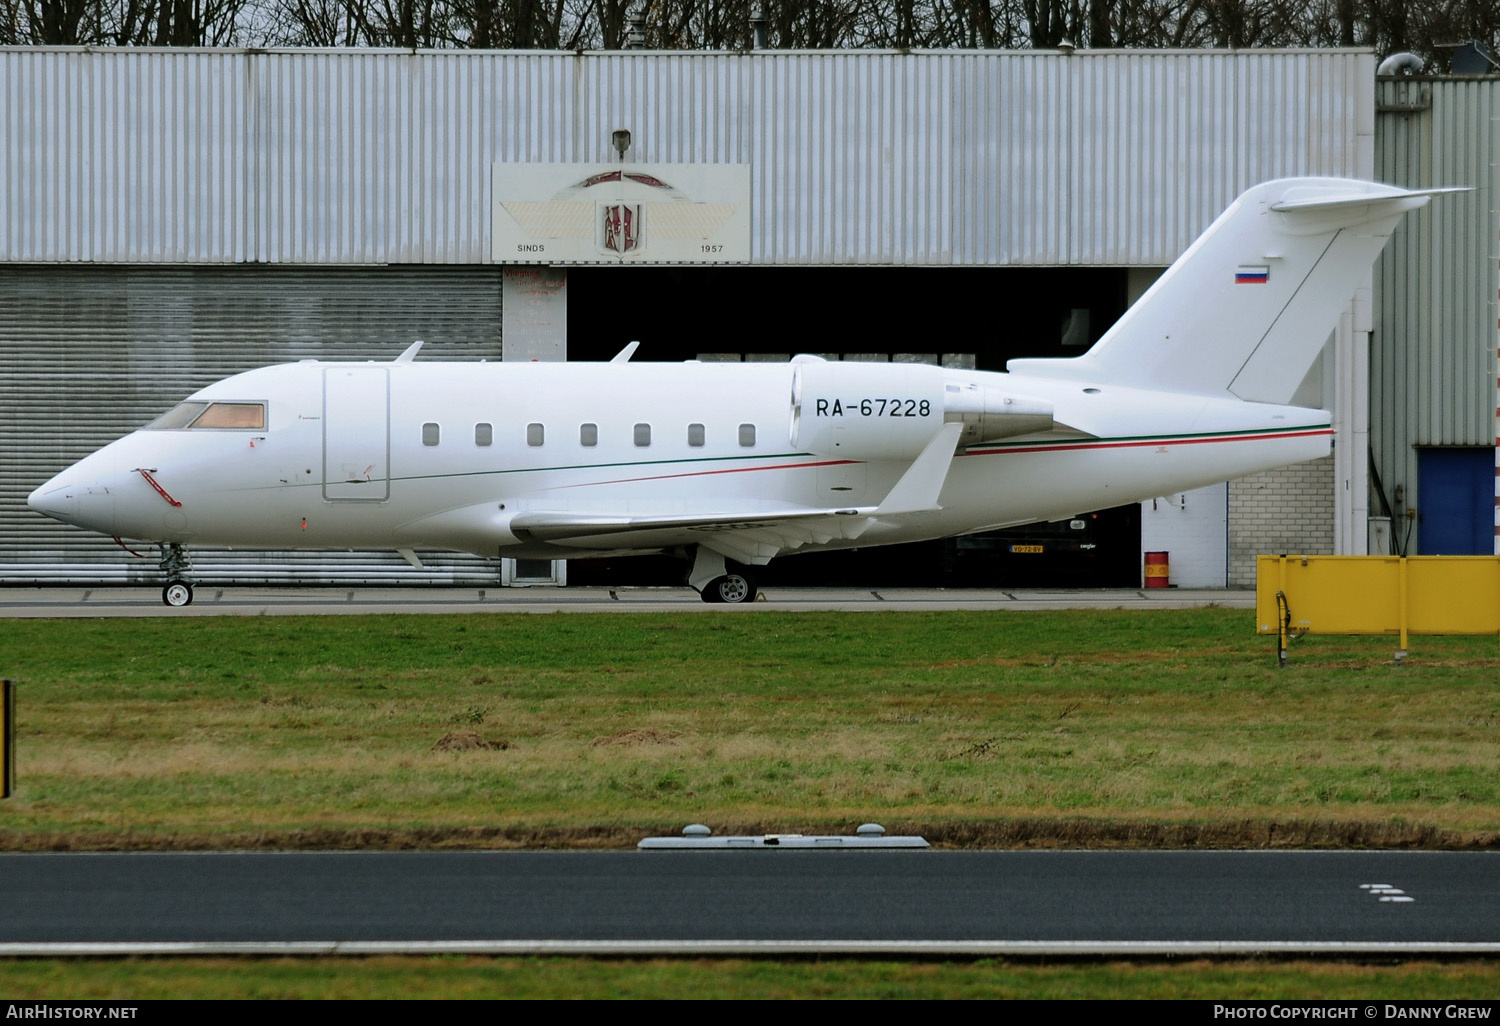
356 433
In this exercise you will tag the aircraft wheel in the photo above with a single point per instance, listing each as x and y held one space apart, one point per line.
177 593
730 588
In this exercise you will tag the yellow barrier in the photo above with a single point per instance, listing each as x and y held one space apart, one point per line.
1377 595
7 738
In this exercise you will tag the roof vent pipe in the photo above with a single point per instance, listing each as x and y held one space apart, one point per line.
759 24
635 32
1401 62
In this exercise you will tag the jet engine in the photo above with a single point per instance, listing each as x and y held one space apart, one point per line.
990 414
890 411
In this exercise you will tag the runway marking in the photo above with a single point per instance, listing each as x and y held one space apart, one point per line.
1385 892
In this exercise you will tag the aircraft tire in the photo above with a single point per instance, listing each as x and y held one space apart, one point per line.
177 593
731 588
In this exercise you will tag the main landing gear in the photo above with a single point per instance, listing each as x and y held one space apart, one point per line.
730 588
176 565
716 582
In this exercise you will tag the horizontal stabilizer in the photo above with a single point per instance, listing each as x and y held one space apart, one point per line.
1315 202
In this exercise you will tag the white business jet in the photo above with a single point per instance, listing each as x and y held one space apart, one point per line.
731 465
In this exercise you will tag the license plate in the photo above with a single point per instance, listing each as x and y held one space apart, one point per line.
1026 548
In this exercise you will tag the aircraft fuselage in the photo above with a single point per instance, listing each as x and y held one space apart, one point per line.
444 456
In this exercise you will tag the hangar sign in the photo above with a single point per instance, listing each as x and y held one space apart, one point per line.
621 213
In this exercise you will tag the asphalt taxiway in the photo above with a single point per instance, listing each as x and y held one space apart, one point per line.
746 902
83 601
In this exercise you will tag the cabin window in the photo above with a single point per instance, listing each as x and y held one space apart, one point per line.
484 434
747 435
534 434
642 435
695 435
588 434
429 433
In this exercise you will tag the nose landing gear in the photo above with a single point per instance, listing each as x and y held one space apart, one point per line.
176 565
177 593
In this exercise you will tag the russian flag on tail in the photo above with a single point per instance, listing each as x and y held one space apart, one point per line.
1248 274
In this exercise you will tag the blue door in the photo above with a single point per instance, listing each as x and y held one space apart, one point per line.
1456 502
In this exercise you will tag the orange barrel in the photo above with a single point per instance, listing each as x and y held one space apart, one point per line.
1156 569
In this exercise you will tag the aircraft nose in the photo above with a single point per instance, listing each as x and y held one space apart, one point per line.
59 503
91 506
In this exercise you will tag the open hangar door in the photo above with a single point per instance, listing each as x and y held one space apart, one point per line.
980 317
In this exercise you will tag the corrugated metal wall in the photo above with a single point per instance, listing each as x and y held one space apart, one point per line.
89 352
860 157
1432 352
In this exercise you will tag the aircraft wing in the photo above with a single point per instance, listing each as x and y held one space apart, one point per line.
752 536
748 536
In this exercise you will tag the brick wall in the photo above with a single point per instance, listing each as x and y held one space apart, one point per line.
1289 509
1190 527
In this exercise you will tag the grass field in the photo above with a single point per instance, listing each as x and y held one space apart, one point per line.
567 978
1083 729
1154 728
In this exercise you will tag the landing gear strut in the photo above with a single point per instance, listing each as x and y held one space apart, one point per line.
176 565
716 582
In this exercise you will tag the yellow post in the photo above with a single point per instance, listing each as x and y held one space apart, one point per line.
7 738
1281 621
1402 605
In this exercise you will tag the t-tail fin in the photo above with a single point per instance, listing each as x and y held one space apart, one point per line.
1247 308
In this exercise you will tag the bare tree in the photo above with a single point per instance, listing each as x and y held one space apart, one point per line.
1429 27
121 22
50 22
314 23
172 22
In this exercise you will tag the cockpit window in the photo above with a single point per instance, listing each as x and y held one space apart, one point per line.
233 415
179 416
211 415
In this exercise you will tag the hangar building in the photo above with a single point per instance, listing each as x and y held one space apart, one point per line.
170 217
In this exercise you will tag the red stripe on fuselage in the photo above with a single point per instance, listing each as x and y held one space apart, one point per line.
1159 442
972 452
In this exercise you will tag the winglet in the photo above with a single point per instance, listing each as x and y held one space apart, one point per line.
920 486
624 355
409 353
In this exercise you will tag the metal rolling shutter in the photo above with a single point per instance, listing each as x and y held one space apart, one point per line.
89 353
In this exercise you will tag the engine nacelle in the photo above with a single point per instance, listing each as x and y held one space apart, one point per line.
989 414
890 411
866 411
